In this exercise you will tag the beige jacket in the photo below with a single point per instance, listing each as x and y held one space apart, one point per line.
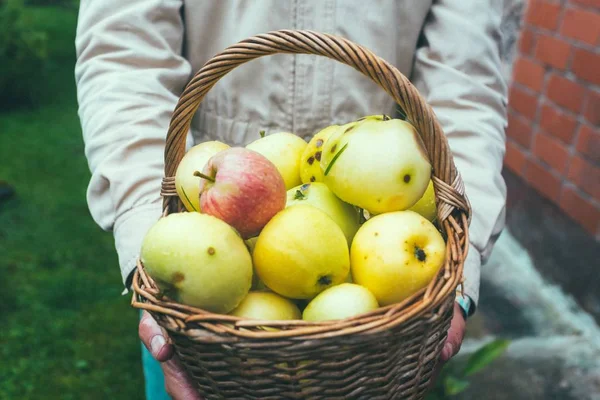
135 56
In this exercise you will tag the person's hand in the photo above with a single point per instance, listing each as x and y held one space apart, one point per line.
455 335
177 382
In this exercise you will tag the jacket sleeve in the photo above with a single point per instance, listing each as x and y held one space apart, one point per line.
129 74
458 71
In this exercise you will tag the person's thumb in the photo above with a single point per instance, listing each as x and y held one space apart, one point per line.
154 338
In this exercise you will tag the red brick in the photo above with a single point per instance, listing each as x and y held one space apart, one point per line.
592 107
526 41
565 92
515 158
586 65
580 209
588 143
581 25
543 180
586 176
523 102
587 3
519 129
557 123
552 152
552 51
543 14
529 73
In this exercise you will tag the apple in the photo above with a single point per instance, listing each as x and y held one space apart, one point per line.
310 161
242 188
301 252
339 302
377 165
284 150
267 306
317 194
426 205
336 132
186 183
199 260
396 254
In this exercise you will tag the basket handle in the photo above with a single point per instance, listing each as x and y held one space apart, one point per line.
448 184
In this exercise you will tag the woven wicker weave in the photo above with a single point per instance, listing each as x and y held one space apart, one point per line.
387 354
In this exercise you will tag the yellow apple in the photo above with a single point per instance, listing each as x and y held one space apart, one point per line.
267 306
396 254
426 205
317 194
339 302
284 150
200 259
378 165
301 252
310 161
186 183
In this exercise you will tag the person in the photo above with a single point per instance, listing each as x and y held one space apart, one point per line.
135 57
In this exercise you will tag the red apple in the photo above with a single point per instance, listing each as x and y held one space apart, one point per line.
242 188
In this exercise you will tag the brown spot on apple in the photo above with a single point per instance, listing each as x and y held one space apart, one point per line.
178 277
349 128
319 143
376 234
324 280
334 148
406 178
318 155
310 160
420 254
312 179
211 251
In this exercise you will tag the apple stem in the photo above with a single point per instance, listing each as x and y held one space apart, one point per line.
201 175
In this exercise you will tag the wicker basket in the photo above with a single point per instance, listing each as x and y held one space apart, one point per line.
387 354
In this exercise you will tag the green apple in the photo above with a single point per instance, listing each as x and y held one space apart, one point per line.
200 259
337 131
426 205
378 165
339 302
317 194
283 149
186 183
267 306
310 161
396 254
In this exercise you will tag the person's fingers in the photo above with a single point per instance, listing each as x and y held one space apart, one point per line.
455 335
177 382
154 338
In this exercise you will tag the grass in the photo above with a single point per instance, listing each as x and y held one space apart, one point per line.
66 332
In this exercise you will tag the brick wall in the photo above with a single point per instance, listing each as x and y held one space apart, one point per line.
554 106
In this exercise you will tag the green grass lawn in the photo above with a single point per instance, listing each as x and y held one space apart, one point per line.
66 332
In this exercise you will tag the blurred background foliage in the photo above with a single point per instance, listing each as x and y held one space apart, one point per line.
66 331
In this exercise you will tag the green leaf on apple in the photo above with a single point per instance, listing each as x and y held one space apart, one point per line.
299 195
334 159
